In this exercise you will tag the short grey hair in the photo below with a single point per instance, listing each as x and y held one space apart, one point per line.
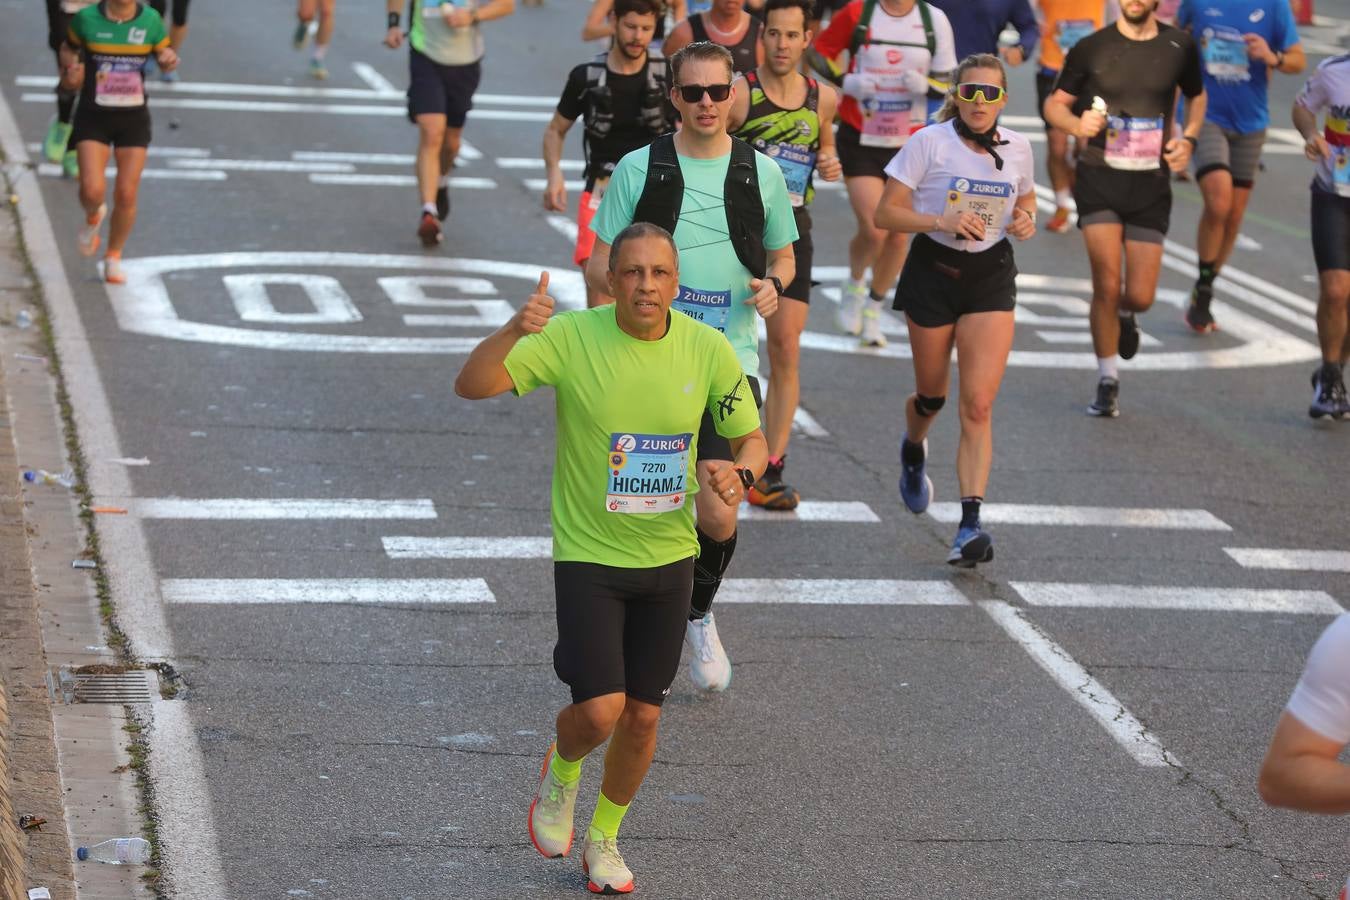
641 230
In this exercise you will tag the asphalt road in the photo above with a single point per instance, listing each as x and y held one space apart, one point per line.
1082 718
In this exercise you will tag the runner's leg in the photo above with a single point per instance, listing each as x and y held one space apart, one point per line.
983 342
864 193
1333 315
785 332
1103 241
94 157
932 349
130 163
1143 262
432 136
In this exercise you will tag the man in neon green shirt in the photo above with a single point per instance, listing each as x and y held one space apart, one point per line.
633 380
716 286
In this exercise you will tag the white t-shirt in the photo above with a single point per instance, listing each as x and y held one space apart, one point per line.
1322 698
943 172
890 115
1329 90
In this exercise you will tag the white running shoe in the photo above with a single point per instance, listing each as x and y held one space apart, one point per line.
852 301
602 863
550 819
708 663
89 239
871 328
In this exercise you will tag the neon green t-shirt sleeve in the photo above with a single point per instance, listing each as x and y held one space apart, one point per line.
621 197
780 227
539 359
730 400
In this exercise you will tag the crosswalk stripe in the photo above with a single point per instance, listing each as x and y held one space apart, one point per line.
1087 691
811 511
250 509
468 547
48 170
1100 516
462 183
1124 596
839 592
426 591
1297 560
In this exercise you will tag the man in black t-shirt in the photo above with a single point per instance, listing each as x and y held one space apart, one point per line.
1115 94
622 98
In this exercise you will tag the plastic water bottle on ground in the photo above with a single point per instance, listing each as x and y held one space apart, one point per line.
117 852
41 476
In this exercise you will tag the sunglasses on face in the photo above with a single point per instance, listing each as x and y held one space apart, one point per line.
693 93
988 93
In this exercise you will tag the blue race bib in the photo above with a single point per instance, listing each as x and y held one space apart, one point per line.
647 472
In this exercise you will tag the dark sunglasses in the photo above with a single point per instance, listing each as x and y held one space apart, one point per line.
989 93
693 93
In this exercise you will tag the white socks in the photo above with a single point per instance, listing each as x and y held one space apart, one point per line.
1108 367
1064 199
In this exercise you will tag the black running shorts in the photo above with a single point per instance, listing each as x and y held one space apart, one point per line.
1330 230
712 445
620 631
445 90
803 249
939 285
857 160
123 128
1045 86
180 11
1141 201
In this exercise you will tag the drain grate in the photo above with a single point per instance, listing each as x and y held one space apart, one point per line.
104 684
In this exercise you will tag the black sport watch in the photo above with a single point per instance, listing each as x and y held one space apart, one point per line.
747 477
777 286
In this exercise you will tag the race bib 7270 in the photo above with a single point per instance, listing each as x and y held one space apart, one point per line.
647 472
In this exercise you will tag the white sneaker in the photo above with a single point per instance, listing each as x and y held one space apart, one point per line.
88 237
852 300
708 664
550 819
602 863
871 328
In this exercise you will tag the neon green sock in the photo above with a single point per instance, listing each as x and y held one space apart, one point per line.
566 773
608 816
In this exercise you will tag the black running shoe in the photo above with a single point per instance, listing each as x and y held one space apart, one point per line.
1128 345
1198 316
429 230
1106 405
1329 394
442 203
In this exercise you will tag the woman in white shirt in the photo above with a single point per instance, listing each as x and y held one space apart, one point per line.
961 187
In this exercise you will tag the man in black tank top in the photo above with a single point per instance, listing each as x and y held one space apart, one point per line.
727 24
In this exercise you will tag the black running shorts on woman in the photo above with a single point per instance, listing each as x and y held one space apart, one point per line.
620 631
940 285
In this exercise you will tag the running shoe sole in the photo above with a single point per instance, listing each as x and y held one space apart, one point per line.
529 822
1203 328
1095 411
1128 345
429 232
442 203
928 483
785 499
606 889
979 549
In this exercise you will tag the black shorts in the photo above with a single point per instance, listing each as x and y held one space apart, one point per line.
180 8
939 285
857 160
1141 201
620 631
123 128
712 445
1330 230
445 90
804 250
1045 86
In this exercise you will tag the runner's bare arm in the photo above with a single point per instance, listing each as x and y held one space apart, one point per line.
751 452
555 192
597 268
393 35
484 373
1301 770
740 105
1315 145
1058 111
827 161
1177 151
680 36
598 22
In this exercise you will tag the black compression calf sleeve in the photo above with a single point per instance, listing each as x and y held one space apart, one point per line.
711 565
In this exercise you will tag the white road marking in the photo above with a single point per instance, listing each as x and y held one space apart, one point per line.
326 590
563 225
806 423
491 313
465 183
191 861
538 184
1087 691
261 165
152 150
144 306
294 508
1085 339
1129 596
811 511
1074 516
1292 560
378 83
47 170
332 109
372 159
468 548
535 162
840 592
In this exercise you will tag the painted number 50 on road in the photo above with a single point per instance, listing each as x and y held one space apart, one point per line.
427 291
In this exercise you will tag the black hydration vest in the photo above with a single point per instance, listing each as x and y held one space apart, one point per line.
599 117
663 195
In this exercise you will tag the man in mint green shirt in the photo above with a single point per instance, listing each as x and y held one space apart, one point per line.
633 380
715 287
